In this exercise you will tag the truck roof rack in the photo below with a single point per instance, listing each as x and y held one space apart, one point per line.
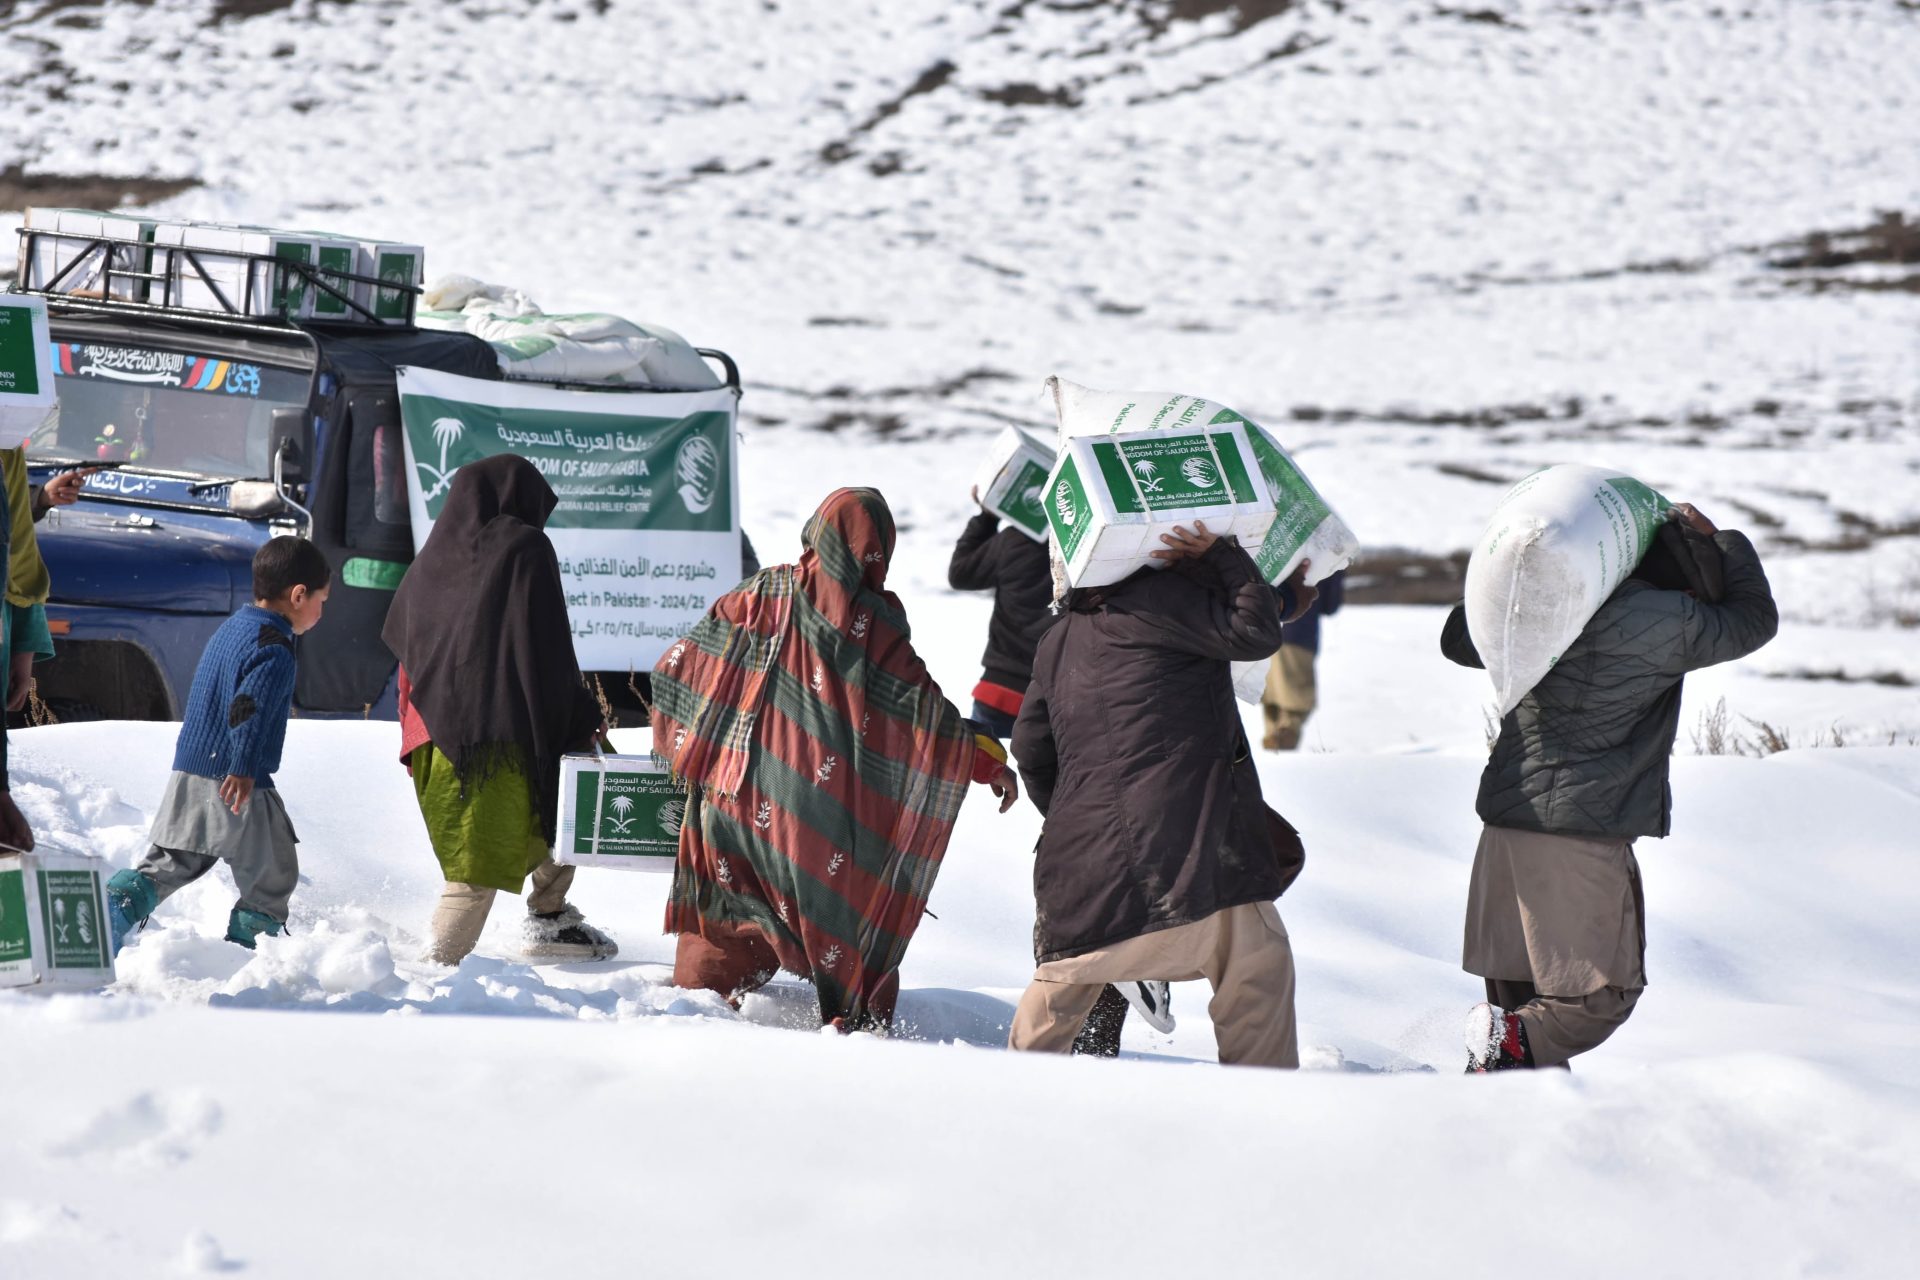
123 283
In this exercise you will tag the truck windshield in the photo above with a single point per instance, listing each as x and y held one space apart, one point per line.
171 410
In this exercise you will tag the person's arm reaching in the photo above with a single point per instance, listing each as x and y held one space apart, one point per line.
1241 621
1746 616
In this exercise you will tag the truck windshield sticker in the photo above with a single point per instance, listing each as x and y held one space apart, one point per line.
162 368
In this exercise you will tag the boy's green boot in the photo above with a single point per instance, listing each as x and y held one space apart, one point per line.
131 898
244 925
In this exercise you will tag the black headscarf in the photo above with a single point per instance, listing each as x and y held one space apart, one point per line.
480 624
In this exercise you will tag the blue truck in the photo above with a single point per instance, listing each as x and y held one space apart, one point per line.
214 432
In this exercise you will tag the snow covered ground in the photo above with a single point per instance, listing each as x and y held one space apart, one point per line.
1433 247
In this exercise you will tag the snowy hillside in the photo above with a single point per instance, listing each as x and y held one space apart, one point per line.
1433 246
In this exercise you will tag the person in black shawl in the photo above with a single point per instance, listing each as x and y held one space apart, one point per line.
491 697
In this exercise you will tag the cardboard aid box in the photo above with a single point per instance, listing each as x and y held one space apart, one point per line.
392 263
80 257
27 394
1013 481
618 811
53 921
1110 498
249 288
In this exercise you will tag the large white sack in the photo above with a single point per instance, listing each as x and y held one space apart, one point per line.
588 347
1304 525
1558 545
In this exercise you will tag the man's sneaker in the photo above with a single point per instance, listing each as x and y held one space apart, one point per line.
131 898
565 935
1496 1041
245 924
1153 1001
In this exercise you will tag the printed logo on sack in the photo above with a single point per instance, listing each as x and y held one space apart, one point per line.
697 469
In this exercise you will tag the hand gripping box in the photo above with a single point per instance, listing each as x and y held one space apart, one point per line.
1013 481
1110 498
53 921
618 811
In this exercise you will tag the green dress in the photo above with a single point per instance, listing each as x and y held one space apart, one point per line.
486 834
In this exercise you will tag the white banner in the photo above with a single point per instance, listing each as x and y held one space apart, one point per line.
648 524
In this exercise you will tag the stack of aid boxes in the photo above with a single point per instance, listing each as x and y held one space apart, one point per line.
76 262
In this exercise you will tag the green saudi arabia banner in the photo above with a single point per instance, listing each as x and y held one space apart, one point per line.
647 525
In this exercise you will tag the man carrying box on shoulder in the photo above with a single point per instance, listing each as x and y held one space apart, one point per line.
1158 858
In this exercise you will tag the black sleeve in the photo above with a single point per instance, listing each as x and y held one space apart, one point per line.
974 566
1239 622
1745 618
1033 748
1456 644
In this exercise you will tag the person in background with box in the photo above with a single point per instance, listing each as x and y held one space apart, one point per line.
1013 566
1290 695
220 805
824 770
1158 858
491 697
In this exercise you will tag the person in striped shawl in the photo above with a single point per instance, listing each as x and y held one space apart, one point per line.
823 768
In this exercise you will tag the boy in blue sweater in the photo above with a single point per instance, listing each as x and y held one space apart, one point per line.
221 804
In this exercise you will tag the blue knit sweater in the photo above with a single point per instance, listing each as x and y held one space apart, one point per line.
236 715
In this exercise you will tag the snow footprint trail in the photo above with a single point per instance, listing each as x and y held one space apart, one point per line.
162 1128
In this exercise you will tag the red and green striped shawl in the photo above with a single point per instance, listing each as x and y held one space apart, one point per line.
825 769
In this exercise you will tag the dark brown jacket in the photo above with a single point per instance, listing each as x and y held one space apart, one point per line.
1131 744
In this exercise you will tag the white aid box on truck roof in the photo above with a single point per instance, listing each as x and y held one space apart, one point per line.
233 282
53 921
618 811
1110 498
1013 481
404 265
1560 542
79 264
27 392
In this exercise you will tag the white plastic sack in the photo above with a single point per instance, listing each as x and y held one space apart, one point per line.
588 347
1558 545
1304 525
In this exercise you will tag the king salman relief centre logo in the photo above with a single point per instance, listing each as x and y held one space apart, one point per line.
446 434
1198 472
671 815
1063 501
696 470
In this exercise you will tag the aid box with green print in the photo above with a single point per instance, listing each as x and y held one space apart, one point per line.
27 392
1110 498
53 921
1013 481
88 241
618 811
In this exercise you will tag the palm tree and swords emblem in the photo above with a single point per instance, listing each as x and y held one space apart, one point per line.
446 433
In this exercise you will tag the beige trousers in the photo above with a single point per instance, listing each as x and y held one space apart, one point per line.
1289 697
1242 952
462 910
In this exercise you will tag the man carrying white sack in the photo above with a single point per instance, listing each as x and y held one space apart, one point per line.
1158 859
1556 921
